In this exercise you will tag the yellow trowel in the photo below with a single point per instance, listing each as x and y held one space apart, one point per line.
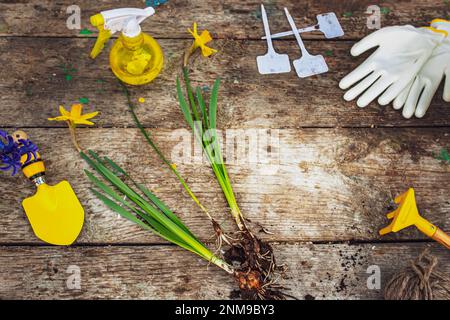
407 215
54 212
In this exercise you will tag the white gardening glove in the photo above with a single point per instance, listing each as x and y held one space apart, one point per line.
416 98
402 52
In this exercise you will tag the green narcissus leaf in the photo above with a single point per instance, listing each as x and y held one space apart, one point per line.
201 103
120 210
151 214
115 166
157 150
213 104
184 106
187 83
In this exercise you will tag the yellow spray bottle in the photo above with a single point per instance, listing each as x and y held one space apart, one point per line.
136 58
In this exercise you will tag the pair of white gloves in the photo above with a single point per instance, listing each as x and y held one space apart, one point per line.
406 69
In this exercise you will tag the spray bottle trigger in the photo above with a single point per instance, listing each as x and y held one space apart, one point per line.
103 37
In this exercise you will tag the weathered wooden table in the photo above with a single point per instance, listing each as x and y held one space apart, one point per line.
340 166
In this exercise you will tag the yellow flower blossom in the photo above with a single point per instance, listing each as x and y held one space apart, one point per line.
74 116
200 41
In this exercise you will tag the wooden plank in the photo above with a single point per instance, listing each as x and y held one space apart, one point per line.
31 92
323 185
227 19
165 272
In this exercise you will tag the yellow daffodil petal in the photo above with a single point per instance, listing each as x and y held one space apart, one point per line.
205 37
60 118
89 115
207 51
82 121
194 33
76 110
195 27
63 111
196 43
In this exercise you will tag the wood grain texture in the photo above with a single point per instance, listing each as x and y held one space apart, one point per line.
226 19
165 272
338 169
323 185
33 85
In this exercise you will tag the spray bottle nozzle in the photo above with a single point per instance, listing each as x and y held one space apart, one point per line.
126 20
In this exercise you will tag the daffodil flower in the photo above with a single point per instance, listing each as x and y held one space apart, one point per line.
200 41
74 118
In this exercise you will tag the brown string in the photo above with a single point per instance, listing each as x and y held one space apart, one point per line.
419 281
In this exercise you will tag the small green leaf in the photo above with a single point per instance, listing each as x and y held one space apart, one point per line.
85 31
443 156
348 14
385 10
329 53
84 100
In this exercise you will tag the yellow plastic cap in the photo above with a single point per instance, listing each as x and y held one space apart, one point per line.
97 20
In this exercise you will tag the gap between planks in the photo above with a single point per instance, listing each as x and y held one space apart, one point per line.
281 242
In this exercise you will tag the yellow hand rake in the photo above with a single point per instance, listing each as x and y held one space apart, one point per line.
407 215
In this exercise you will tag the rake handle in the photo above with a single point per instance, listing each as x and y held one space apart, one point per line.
441 237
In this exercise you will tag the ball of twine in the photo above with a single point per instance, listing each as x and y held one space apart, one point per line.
419 281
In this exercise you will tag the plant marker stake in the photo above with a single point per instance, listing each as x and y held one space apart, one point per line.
307 65
327 23
271 62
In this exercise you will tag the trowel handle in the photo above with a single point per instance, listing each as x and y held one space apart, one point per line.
32 164
33 168
441 237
